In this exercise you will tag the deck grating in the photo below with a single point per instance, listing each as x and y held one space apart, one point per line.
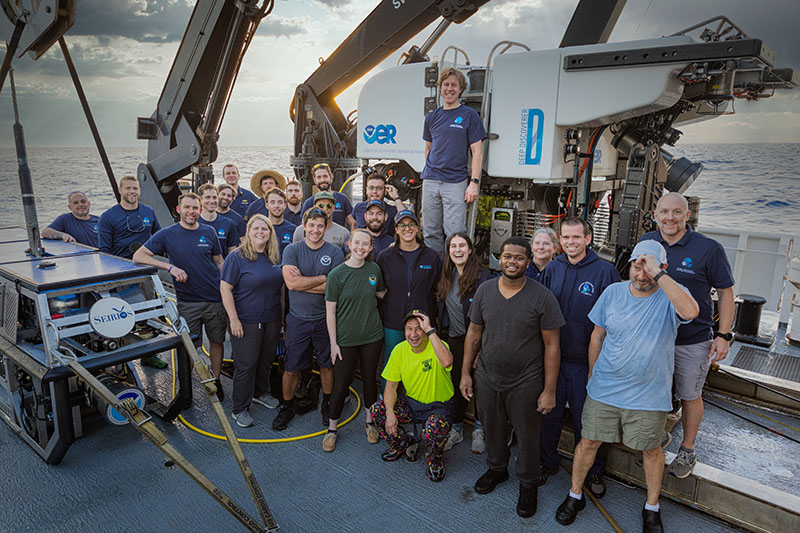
768 363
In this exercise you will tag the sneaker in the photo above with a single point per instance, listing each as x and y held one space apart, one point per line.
596 485
488 481
411 452
285 415
373 435
243 419
267 400
393 454
325 409
435 473
453 438
568 510
651 521
528 499
154 361
329 442
478 440
545 473
681 467
220 391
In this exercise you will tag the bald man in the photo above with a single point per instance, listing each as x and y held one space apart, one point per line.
699 264
77 225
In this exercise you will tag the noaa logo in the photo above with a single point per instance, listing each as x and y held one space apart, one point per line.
325 260
586 288
146 220
459 120
372 280
112 317
381 134
221 232
287 237
202 239
687 262
338 205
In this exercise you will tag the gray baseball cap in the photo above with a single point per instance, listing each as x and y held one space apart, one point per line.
649 247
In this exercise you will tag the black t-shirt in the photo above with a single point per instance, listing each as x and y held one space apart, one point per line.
512 349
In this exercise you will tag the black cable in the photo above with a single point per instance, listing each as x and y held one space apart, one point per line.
759 424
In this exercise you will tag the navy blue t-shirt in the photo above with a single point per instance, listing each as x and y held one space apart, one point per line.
257 287
120 228
238 221
258 207
294 218
342 208
284 232
381 242
83 231
361 207
698 263
244 199
226 232
191 251
450 132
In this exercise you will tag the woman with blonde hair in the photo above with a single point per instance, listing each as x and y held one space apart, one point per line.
251 286
544 247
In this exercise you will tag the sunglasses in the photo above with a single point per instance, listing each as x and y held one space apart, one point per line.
324 205
320 165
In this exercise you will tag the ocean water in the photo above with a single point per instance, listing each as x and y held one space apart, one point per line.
743 186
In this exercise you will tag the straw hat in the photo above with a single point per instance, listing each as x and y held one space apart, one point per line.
255 181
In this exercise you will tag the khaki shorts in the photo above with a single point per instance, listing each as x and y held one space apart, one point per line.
209 314
691 367
638 430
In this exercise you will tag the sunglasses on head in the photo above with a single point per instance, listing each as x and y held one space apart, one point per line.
320 165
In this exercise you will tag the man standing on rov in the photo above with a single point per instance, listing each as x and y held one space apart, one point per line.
450 132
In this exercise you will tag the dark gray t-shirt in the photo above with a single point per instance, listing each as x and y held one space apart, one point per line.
455 311
512 350
304 305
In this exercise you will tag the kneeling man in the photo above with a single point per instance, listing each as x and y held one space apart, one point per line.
422 363
631 359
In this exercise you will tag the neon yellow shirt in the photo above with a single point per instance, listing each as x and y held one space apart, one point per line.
423 377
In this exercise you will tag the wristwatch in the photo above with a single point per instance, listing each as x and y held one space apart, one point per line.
430 332
727 336
474 180
658 276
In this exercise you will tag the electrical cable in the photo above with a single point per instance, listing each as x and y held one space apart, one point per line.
759 424
752 412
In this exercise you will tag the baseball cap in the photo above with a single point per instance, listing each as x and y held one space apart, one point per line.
324 195
405 213
377 203
649 247
414 313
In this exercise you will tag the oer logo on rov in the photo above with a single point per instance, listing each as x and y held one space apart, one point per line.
381 134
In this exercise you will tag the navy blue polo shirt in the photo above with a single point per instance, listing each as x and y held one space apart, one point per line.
257 287
191 251
238 221
120 228
256 208
381 242
244 199
361 207
294 218
83 231
284 232
226 232
698 263
342 208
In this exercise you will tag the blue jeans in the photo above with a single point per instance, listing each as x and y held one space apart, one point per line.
571 387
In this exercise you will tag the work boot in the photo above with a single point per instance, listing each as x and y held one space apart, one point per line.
596 485
488 481
285 415
651 521
568 510
528 499
545 473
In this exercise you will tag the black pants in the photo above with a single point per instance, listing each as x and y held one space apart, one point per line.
185 367
457 349
344 369
254 353
518 405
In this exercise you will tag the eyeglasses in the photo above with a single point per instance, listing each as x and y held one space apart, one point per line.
404 226
375 187
324 205
320 165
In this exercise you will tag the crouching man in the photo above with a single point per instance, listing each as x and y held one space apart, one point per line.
422 363
631 360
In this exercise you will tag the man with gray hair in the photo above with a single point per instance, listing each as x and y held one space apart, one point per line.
77 225
450 132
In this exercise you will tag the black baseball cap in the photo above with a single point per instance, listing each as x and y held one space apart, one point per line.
376 203
414 313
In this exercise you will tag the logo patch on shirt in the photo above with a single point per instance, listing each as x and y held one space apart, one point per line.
459 120
687 262
221 232
287 237
146 220
325 260
372 280
203 241
586 288
426 365
425 267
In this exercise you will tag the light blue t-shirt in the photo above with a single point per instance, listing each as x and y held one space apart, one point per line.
635 365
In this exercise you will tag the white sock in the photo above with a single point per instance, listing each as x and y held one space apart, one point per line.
656 507
575 496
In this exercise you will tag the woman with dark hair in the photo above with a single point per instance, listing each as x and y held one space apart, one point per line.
354 326
544 247
251 286
462 273
410 270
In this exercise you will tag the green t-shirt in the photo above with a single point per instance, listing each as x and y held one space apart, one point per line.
353 290
422 375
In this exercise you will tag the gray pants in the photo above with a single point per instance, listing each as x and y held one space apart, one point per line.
253 355
518 406
444 211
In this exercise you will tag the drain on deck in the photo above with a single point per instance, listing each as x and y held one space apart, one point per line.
768 363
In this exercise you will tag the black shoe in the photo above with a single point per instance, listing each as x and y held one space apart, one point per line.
220 392
596 485
528 498
544 474
178 404
488 481
568 510
393 454
325 409
435 473
283 418
651 522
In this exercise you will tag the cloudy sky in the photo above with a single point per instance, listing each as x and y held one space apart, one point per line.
123 50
